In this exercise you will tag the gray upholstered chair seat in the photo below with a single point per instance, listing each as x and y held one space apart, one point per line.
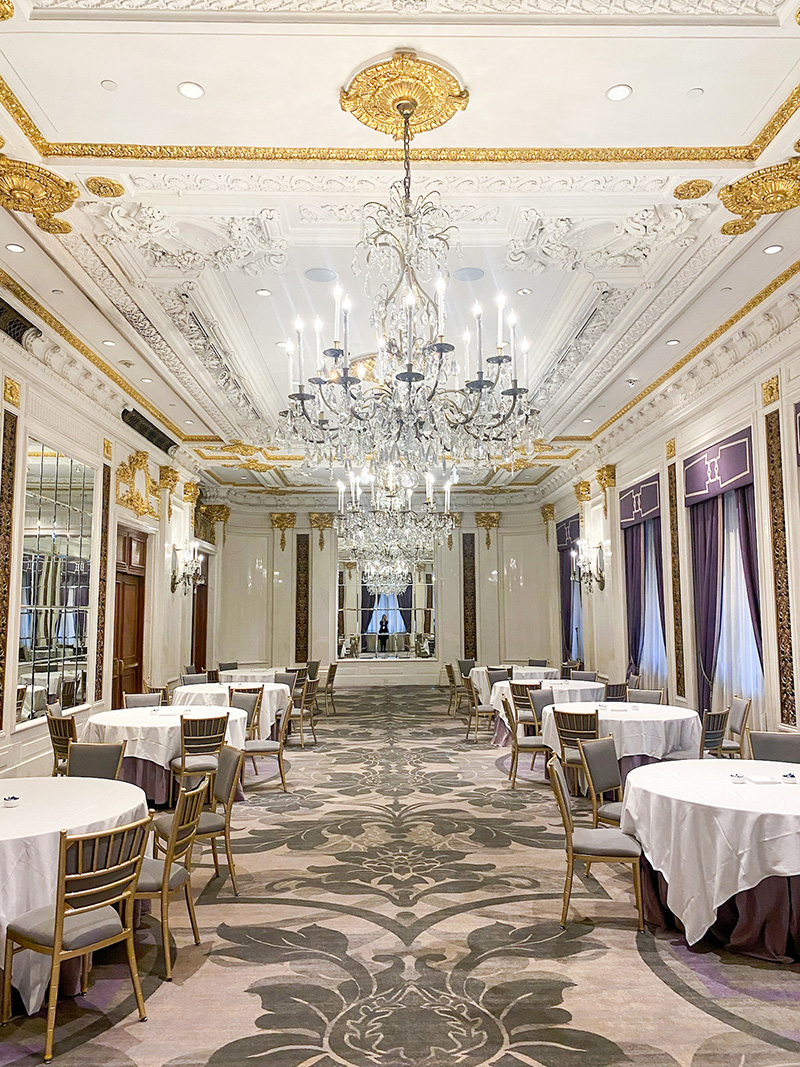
611 810
526 717
210 823
153 872
486 709
532 744
257 746
195 764
730 746
572 757
79 930
604 842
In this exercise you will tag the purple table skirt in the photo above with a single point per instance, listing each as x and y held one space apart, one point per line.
153 779
763 922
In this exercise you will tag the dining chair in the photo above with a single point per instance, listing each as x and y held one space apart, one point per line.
163 879
529 743
201 740
715 724
212 675
738 718
96 880
477 711
303 711
230 665
583 676
645 696
286 678
249 701
190 669
465 666
593 844
141 700
457 691
22 689
328 689
162 690
633 681
194 679
95 760
538 662
312 669
601 770
775 747
62 732
497 674
568 666
574 726
616 692
259 747
523 704
214 824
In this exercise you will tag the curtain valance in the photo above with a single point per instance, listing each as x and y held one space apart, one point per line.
728 464
640 502
567 533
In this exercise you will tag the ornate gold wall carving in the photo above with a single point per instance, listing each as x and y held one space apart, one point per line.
283 521
457 520
104 187
35 191
7 479
548 516
302 591
191 492
583 491
6 10
322 521
11 391
102 592
108 449
780 567
693 189
137 500
470 596
762 192
670 448
770 391
675 568
488 521
606 479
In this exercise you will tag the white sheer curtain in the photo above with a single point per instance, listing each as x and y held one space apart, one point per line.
653 658
387 605
576 650
738 669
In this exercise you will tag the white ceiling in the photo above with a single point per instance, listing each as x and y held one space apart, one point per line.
604 242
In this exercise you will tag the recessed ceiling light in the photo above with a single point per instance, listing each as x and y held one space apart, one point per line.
772 250
188 422
110 344
321 274
468 274
619 92
15 248
191 90
280 344
673 341
109 85
587 420
524 291
726 289
696 93
263 292
147 381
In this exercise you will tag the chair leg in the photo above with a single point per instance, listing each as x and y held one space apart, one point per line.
255 765
302 738
231 865
311 724
333 705
469 725
514 762
85 967
567 891
588 867
52 1002
187 890
165 936
134 969
214 854
637 891
280 768
8 962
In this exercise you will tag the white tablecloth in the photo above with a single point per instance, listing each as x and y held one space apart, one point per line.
503 689
533 674
156 738
29 838
565 691
479 676
638 729
709 838
248 674
217 694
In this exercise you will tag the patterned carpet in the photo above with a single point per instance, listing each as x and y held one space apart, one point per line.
399 907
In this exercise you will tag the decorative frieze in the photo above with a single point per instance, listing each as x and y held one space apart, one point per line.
133 476
283 521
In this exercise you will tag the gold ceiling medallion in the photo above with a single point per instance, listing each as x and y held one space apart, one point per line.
240 448
376 95
6 10
104 187
692 190
764 192
36 191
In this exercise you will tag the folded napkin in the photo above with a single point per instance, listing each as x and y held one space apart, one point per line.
762 779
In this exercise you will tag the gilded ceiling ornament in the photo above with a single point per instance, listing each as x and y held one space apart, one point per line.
6 10
36 191
322 521
137 500
770 391
256 465
548 516
374 94
11 392
671 448
606 479
488 521
693 189
240 448
108 449
763 192
283 521
104 187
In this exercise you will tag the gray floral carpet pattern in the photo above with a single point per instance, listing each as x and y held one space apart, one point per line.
399 907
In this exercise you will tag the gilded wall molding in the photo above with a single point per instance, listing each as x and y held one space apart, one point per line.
675 570
669 448
11 391
457 525
470 602
322 521
102 590
8 465
302 597
136 499
283 521
548 516
780 567
488 521
770 391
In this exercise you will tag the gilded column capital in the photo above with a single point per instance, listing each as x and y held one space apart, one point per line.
548 516
456 516
606 479
670 449
583 491
216 512
488 521
168 478
283 521
108 449
770 391
191 492
322 521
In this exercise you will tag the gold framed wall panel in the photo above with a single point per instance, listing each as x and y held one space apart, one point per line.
9 463
780 568
470 597
102 588
675 570
302 552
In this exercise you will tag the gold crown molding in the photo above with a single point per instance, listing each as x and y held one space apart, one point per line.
104 187
693 189
11 391
35 191
488 521
763 192
770 391
322 521
283 521
670 448
243 153
737 316
373 96
134 499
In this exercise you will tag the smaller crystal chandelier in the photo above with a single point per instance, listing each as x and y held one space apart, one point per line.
588 565
190 574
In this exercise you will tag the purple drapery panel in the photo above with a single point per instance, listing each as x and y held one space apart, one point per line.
659 574
404 601
634 592
746 514
367 606
722 466
567 533
706 526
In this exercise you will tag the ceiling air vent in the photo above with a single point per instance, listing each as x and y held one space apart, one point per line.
149 431
15 326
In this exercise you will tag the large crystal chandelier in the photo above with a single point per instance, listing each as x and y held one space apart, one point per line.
414 406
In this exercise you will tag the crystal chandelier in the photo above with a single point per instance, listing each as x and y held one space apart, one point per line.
413 406
587 565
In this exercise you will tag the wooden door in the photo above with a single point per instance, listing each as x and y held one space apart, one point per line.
129 614
200 616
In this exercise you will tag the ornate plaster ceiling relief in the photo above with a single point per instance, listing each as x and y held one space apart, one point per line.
762 192
35 191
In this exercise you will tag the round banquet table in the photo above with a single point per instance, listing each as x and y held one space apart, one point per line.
533 674
479 676
29 842
722 858
564 691
153 737
275 697
248 674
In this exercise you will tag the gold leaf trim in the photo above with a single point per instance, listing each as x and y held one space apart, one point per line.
11 391
693 189
762 192
104 187
770 391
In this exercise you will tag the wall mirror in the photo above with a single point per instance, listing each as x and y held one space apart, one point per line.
377 624
56 563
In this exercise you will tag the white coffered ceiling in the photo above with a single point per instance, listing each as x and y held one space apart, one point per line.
582 213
